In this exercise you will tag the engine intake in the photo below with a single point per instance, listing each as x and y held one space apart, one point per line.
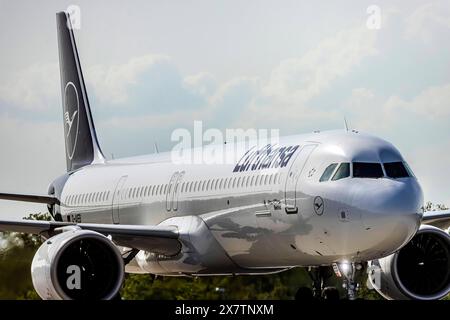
420 270
78 264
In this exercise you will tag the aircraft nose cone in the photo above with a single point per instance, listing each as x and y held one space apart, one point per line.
391 213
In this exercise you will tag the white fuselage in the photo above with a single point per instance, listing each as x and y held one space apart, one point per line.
262 216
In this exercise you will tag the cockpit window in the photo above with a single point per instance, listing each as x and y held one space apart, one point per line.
367 170
396 170
411 173
328 172
342 172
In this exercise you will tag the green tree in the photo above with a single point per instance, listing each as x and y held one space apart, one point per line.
16 254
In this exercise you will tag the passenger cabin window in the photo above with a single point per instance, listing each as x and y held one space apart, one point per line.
342 172
396 170
367 170
328 172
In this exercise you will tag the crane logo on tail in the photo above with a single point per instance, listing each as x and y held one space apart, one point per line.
71 118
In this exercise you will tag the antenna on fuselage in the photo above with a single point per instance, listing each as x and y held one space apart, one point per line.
345 124
156 147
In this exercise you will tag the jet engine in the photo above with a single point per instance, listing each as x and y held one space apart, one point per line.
77 264
420 270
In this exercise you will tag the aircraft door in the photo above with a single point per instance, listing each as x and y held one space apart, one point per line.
169 192
293 176
116 199
176 191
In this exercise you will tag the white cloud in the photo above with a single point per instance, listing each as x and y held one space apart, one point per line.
32 156
430 164
235 89
433 103
297 80
294 82
361 102
111 83
151 121
35 88
203 84
35 149
373 112
427 20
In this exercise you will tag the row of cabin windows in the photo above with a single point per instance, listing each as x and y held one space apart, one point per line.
142 192
230 183
192 186
86 198
203 185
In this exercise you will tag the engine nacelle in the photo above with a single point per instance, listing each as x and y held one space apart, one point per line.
420 270
77 264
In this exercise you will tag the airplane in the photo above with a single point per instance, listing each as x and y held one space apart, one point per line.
338 201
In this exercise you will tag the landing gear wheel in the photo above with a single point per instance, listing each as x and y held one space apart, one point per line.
304 293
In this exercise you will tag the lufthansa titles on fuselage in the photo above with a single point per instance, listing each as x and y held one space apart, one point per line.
267 157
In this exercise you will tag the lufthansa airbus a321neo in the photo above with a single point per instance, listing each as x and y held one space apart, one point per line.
338 202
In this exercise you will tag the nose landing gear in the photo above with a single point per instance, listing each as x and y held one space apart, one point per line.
319 276
349 271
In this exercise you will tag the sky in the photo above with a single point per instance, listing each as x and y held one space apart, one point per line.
154 66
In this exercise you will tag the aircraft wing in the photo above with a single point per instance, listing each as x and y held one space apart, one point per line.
29 198
156 239
440 219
